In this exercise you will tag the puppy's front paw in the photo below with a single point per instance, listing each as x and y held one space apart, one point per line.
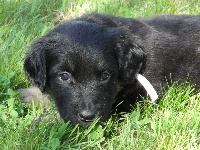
33 94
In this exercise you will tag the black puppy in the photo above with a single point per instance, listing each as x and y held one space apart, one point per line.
86 63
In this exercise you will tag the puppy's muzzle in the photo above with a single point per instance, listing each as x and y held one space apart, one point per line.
86 116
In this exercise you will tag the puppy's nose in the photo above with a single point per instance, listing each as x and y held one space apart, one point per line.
86 115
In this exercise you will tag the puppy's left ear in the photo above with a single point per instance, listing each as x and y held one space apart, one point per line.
131 57
35 65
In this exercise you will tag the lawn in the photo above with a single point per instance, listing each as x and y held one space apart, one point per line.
172 124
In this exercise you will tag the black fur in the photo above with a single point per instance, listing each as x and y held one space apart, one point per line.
88 62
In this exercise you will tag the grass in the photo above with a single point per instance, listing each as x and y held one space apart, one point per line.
172 124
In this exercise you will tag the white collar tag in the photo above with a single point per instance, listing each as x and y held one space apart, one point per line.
148 87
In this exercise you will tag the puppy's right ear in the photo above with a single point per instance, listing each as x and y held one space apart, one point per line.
131 56
35 64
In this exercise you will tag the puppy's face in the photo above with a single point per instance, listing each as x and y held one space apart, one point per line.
83 83
83 66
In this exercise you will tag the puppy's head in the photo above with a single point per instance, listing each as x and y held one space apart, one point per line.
83 66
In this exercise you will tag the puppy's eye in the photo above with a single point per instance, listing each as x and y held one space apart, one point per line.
65 76
105 76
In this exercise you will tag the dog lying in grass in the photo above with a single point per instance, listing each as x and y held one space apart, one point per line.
92 63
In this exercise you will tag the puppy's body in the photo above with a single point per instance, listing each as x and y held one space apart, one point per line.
171 44
88 62
174 50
